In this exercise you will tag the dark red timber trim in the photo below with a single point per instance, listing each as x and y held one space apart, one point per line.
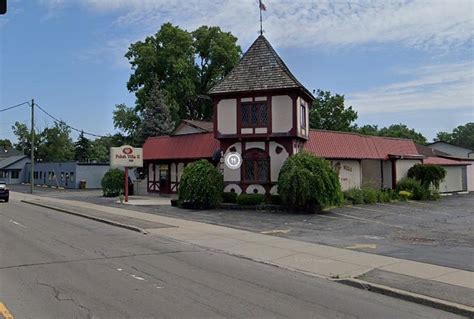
270 119
282 91
215 115
269 177
242 167
286 143
239 116
394 173
294 129
381 173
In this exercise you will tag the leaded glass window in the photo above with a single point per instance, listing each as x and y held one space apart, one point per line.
256 168
254 114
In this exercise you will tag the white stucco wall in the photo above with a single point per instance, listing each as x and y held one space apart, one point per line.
470 177
402 167
371 173
301 130
236 188
387 174
453 182
349 173
227 116
259 145
255 189
282 118
232 175
276 160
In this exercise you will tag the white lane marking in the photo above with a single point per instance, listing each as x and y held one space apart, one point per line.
138 278
357 246
17 223
158 287
119 269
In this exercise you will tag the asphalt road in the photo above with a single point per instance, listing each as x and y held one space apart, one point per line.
54 265
436 232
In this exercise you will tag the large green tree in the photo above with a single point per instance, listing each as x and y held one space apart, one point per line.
328 112
23 136
184 64
402 131
56 144
394 130
463 135
82 148
155 118
5 143
100 147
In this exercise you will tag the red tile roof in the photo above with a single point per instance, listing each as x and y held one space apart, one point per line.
443 161
344 145
191 146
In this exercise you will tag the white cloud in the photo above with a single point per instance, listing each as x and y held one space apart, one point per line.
433 87
423 24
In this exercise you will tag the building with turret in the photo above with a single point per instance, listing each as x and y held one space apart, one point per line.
261 111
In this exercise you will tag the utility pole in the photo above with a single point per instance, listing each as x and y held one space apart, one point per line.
32 177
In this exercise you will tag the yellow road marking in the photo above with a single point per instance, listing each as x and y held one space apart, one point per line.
4 312
357 246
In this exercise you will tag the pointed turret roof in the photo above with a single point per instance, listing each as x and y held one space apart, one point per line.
260 68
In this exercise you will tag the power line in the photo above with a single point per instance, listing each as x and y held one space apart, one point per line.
14 106
65 124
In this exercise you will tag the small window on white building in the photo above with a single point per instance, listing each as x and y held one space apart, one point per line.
303 116
15 175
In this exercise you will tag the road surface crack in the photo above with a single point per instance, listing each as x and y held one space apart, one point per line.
56 294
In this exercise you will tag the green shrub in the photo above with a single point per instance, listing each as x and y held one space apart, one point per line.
113 183
428 175
274 199
384 196
405 195
354 196
308 183
201 186
414 187
229 197
370 195
250 199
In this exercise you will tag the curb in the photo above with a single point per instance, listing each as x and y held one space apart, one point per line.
444 305
97 219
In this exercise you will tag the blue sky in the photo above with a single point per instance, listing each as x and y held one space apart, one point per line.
396 61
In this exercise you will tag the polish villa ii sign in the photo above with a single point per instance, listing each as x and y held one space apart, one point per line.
126 156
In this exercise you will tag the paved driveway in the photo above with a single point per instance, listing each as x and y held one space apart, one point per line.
438 232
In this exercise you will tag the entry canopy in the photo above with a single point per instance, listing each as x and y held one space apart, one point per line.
126 156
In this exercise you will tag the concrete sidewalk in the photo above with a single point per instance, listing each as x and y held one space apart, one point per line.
313 259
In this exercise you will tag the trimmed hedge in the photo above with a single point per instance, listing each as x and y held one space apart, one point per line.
367 195
113 183
250 199
229 197
201 186
274 199
308 183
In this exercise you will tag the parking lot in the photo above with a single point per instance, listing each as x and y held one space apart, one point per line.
438 232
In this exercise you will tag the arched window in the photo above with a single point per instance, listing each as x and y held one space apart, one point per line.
256 168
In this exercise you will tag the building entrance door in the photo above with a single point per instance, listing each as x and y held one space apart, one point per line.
164 178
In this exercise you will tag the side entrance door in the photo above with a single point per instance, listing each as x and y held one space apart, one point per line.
164 178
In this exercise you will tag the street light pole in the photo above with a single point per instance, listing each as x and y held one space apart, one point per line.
32 177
